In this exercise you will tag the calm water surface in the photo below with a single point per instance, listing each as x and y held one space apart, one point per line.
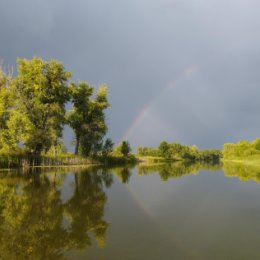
145 212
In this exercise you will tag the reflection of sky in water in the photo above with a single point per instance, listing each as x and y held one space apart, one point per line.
207 216
67 187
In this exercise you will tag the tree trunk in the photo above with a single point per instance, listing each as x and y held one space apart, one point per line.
77 145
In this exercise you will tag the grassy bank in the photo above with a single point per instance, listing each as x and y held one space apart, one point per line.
161 159
116 159
253 160
27 160
153 159
22 160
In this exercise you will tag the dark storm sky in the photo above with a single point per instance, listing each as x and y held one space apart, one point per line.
179 70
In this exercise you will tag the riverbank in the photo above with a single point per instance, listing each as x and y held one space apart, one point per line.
160 159
253 160
22 160
244 162
153 159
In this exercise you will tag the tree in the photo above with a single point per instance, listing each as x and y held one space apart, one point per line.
125 148
4 98
107 147
256 144
164 149
42 91
78 117
92 141
87 117
140 150
5 104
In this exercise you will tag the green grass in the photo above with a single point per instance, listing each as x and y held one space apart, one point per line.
253 160
153 159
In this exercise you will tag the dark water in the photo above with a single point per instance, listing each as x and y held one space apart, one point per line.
151 212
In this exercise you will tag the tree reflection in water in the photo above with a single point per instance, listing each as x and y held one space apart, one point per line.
36 224
243 172
175 170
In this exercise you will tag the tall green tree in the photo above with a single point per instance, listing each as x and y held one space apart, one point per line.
4 104
107 147
164 149
4 98
87 117
42 91
8 139
124 148
78 116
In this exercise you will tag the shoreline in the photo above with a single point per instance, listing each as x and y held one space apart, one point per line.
243 162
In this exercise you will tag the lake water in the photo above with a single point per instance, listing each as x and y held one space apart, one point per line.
147 212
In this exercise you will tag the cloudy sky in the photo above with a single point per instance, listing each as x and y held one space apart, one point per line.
178 70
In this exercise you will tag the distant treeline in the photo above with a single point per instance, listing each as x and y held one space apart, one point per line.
242 150
179 152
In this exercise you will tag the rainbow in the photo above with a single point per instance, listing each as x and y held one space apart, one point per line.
185 73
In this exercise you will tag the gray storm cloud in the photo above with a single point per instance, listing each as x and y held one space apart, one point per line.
139 47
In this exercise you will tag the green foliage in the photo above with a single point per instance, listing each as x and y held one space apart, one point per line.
124 148
41 92
32 111
87 117
164 149
121 155
107 147
179 152
210 155
78 116
115 159
57 149
241 150
256 144
7 141
146 151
